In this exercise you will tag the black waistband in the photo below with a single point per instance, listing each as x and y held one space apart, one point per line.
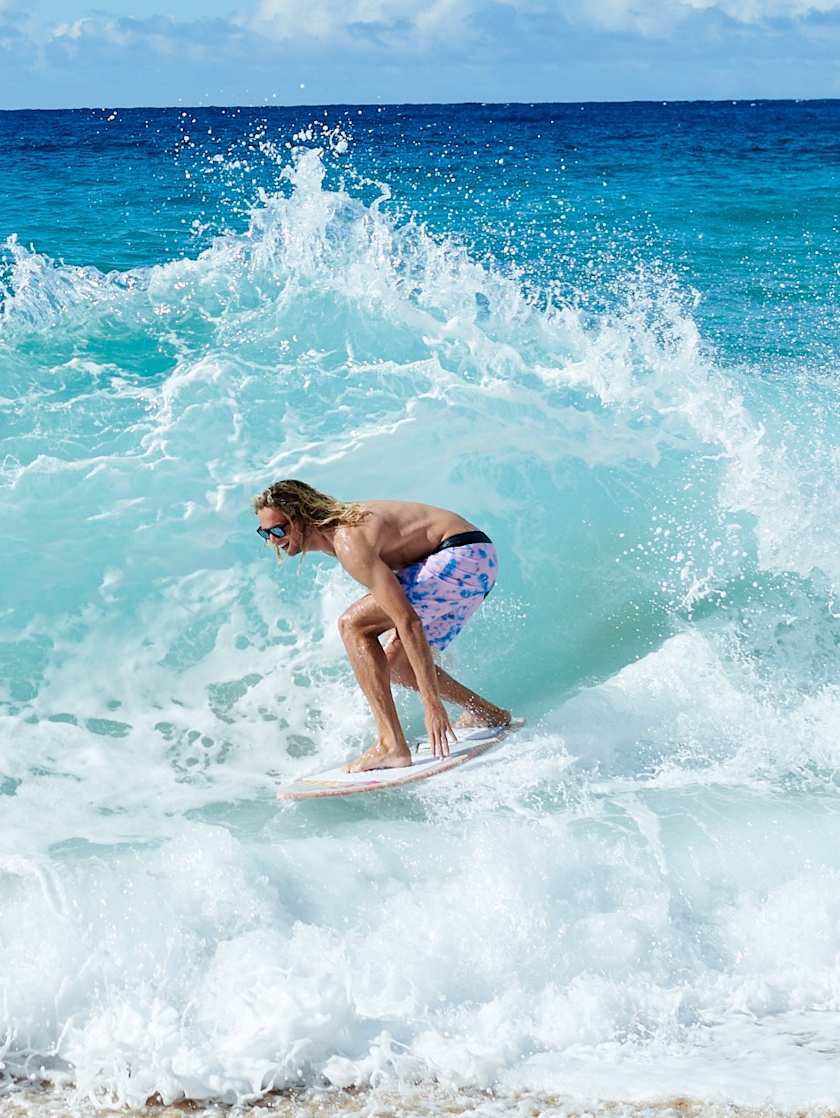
462 538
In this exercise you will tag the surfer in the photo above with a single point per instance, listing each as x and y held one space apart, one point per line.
428 570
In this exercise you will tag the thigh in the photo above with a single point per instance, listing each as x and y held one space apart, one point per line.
367 616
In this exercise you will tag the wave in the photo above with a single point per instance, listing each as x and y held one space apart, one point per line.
614 903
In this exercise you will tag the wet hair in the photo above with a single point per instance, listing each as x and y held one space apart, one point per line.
309 506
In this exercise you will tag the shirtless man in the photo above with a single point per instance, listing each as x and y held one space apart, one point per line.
427 570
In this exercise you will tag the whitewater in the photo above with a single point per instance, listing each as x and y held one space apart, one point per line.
636 898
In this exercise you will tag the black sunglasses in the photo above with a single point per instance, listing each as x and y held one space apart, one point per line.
276 531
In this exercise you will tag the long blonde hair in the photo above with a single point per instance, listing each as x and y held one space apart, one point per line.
309 506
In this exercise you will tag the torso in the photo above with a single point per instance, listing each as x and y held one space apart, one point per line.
405 532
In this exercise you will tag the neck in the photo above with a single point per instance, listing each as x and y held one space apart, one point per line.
320 539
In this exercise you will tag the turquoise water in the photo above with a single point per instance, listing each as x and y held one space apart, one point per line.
606 334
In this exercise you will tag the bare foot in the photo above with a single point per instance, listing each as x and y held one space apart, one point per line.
471 719
380 756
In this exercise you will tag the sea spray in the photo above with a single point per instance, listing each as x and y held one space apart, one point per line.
635 899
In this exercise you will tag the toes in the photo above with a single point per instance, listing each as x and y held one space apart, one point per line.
361 764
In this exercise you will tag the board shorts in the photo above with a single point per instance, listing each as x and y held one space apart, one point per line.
447 587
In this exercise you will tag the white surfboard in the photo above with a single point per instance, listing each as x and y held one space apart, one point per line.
337 782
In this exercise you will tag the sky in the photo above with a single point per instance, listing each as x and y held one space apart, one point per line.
66 54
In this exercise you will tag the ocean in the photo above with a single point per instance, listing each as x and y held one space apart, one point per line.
604 333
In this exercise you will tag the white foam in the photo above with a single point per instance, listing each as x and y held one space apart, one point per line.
609 906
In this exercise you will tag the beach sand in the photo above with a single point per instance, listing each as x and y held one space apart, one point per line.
408 1102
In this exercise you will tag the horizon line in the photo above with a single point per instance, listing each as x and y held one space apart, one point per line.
426 104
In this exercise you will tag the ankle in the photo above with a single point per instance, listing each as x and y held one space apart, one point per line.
394 745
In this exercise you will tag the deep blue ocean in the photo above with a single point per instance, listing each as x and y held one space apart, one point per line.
606 334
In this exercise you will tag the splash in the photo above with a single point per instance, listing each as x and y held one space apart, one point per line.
573 914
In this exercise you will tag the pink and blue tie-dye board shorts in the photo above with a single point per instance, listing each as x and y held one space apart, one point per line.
447 588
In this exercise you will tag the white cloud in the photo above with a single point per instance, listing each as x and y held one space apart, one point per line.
73 31
332 19
160 33
447 19
89 29
652 17
753 11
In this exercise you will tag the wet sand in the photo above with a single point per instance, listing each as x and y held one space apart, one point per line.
408 1102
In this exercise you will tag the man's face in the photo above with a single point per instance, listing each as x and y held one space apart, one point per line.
292 542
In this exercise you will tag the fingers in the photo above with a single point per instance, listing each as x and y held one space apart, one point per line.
446 733
440 736
440 742
450 736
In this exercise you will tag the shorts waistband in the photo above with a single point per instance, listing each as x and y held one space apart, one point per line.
460 539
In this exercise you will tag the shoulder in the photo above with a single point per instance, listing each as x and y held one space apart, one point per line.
358 540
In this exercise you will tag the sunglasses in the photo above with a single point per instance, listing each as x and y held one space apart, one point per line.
278 532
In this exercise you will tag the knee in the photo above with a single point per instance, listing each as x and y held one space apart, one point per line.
355 622
347 625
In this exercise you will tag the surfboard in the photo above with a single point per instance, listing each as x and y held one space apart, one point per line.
337 782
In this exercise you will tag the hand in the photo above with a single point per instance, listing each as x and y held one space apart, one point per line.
437 723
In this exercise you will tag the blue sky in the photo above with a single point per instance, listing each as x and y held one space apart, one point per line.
136 52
